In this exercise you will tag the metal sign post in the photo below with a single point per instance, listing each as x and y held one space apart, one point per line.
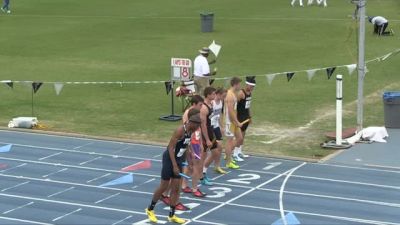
180 71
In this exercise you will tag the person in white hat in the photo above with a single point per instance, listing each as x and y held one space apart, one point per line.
294 1
201 70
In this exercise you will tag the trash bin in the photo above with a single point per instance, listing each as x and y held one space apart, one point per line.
207 21
391 102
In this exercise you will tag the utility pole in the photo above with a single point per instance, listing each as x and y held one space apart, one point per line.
361 8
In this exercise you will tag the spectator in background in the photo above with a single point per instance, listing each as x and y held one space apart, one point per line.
201 70
6 6
380 25
294 1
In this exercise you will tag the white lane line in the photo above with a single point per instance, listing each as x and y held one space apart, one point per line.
342 218
24 221
15 167
77 167
76 204
96 178
19 207
82 152
60 192
183 197
106 198
59 171
331 180
9 188
70 213
221 175
81 146
357 168
383 167
122 149
83 163
239 196
390 204
120 221
93 139
46 157
156 156
281 192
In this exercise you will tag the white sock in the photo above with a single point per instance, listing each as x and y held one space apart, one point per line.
240 149
236 151
205 170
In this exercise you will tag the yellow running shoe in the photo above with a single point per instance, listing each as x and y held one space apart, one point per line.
175 219
220 170
232 165
151 215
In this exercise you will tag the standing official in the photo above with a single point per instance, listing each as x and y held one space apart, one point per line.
201 70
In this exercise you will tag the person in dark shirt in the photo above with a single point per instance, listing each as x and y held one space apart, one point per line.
172 161
243 114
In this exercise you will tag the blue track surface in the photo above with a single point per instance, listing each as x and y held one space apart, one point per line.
56 180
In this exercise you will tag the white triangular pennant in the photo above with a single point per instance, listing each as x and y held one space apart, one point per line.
58 87
270 78
351 68
215 48
311 73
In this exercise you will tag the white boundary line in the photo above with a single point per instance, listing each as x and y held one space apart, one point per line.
188 17
17 185
80 138
70 213
81 152
19 207
202 200
119 221
90 160
283 188
46 157
24 221
237 197
14 167
342 218
108 197
60 192
157 176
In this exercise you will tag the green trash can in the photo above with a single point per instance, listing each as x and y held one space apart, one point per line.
207 21
391 101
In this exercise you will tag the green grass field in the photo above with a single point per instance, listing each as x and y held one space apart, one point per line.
133 40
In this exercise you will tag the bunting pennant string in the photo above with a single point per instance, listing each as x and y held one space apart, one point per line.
289 76
58 86
351 68
311 74
330 71
270 78
36 86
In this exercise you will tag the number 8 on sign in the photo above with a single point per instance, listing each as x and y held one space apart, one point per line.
185 73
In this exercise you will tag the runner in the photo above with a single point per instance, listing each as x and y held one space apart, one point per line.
172 166
196 104
232 125
216 123
243 114
210 140
195 163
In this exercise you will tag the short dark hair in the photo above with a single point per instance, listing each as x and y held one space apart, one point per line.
208 91
196 99
220 90
193 112
235 80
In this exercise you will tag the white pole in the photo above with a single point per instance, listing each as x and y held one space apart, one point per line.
339 99
361 64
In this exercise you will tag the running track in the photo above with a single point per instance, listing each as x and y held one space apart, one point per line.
48 179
